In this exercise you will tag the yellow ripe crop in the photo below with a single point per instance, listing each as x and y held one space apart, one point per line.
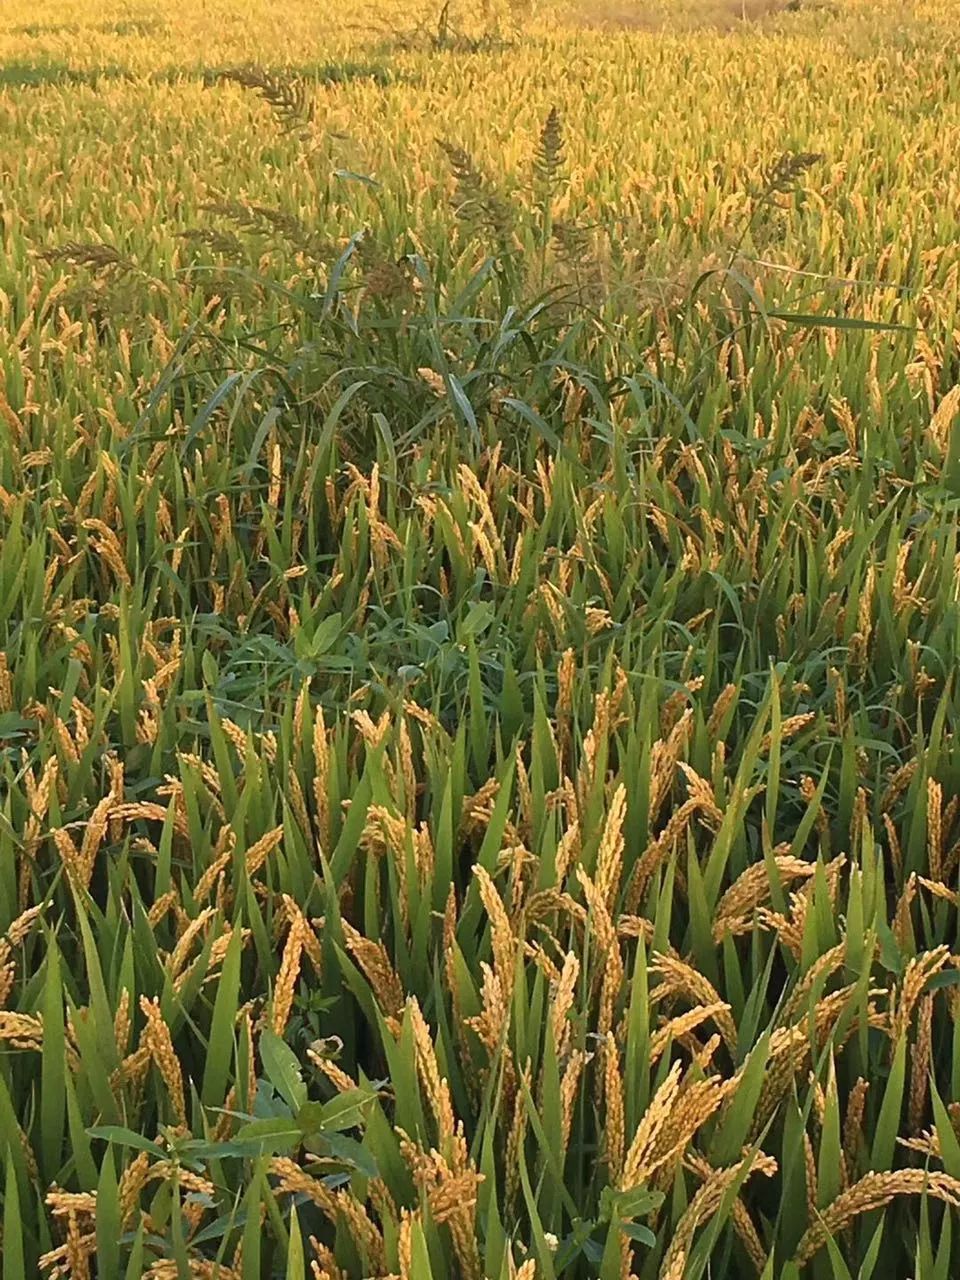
478 638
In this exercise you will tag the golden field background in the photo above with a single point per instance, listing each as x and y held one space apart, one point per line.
479 615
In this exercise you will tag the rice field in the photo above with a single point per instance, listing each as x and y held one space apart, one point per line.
479 635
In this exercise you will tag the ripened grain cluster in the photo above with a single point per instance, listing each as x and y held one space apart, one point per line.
479 634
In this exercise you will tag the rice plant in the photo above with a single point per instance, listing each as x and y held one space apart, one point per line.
479 774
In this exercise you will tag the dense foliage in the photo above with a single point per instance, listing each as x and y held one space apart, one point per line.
479 609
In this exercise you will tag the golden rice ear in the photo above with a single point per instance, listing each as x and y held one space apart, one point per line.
554 501
873 1191
159 1044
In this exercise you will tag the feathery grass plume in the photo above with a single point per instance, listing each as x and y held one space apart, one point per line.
224 243
873 1191
549 153
785 172
286 94
477 203
262 219
96 257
